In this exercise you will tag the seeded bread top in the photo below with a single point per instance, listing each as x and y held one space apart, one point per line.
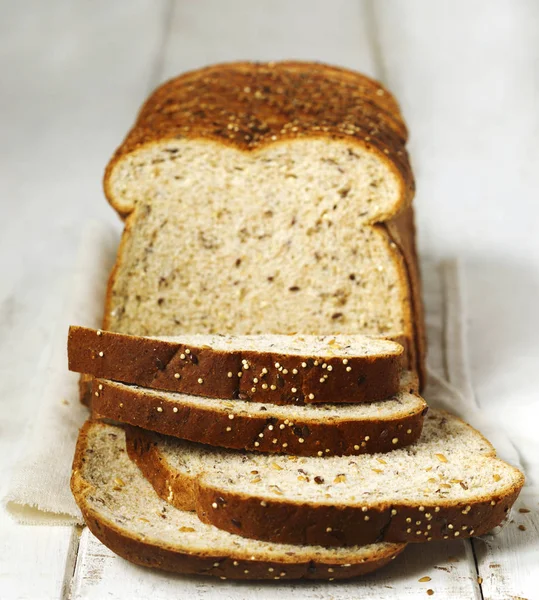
404 403
270 368
310 430
252 105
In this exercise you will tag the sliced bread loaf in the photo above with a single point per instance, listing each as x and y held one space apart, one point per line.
313 430
124 512
448 485
279 369
256 199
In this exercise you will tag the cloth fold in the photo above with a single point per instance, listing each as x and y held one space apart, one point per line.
450 387
39 491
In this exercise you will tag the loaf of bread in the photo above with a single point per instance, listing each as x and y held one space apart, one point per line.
124 512
448 485
266 198
279 369
312 430
268 228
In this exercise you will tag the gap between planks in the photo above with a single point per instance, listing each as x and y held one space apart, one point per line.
71 560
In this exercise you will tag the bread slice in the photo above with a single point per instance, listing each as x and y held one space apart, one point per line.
449 485
124 512
256 198
313 430
279 369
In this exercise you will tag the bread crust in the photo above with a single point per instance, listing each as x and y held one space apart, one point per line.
272 103
85 389
212 373
367 88
325 525
259 432
401 229
238 565
409 339
145 554
295 524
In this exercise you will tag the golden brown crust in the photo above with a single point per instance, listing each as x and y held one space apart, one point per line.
142 450
206 425
150 555
85 389
407 339
332 526
205 371
234 566
146 554
251 105
326 525
367 87
402 231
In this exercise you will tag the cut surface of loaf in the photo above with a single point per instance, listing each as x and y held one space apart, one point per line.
312 430
254 108
448 485
278 369
124 512
255 198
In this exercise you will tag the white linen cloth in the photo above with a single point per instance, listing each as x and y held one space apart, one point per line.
39 491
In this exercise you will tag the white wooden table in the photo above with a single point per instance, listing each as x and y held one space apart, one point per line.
73 73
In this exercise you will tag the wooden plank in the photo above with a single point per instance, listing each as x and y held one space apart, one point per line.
509 561
447 67
465 74
100 573
33 560
73 77
206 31
506 560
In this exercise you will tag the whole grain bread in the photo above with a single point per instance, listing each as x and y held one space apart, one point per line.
279 369
448 485
313 430
256 198
124 512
